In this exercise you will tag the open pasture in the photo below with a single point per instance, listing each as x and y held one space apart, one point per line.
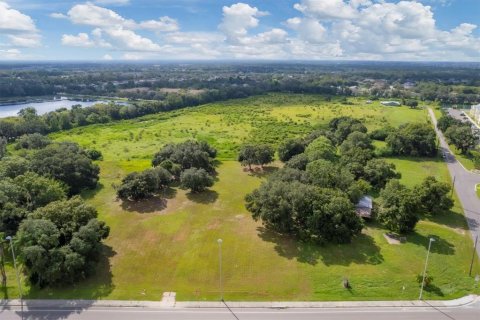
170 245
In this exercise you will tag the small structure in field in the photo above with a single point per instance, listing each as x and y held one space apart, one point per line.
391 103
364 207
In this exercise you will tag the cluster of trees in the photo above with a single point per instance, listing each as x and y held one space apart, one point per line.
313 196
256 155
400 207
326 173
32 141
58 238
458 133
66 162
61 242
412 139
3 147
145 184
190 162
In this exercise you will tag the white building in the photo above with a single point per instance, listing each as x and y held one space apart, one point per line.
475 113
391 103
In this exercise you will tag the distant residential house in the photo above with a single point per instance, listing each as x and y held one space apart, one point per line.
391 103
364 207
409 85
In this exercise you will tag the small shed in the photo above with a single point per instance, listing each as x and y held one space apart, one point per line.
364 207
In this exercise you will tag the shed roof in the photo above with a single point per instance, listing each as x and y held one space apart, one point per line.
365 202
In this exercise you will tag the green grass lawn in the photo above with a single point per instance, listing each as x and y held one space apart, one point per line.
158 246
464 159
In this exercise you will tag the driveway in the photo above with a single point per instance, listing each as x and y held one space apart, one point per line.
464 182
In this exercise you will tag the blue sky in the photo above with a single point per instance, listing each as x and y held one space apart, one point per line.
250 29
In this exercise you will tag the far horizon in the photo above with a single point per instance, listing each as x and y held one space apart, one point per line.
204 31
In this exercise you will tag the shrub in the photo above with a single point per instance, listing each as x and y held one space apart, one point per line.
197 180
142 185
32 141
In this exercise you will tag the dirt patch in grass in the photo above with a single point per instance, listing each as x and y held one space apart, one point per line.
393 239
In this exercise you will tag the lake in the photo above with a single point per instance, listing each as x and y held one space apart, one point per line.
9 110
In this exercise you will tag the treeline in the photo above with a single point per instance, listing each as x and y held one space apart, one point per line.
313 196
57 234
461 134
29 121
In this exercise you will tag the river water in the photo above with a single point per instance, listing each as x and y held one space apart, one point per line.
10 110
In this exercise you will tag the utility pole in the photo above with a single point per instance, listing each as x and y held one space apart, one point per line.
219 241
9 238
473 255
425 269
453 186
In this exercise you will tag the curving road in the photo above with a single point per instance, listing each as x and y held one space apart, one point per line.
465 182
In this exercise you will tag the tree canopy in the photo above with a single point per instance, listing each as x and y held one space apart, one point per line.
413 139
32 141
462 137
255 155
142 185
434 196
66 162
188 154
197 180
3 147
321 148
309 212
290 148
398 207
60 243
23 194
342 127
378 172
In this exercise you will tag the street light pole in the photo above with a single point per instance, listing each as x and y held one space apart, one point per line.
425 269
473 255
219 241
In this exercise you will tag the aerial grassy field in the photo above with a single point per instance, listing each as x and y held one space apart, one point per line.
171 245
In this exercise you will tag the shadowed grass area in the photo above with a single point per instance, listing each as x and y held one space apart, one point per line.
170 244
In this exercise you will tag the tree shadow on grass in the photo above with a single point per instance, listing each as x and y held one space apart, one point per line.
434 289
362 250
440 246
154 204
204 197
91 193
97 286
450 219
260 172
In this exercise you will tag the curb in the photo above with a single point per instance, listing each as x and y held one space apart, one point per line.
83 304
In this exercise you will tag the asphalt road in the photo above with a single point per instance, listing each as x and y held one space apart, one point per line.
470 312
465 182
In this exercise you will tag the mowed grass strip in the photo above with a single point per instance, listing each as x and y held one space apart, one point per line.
157 246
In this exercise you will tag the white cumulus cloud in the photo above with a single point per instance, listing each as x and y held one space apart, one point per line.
320 29
19 29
